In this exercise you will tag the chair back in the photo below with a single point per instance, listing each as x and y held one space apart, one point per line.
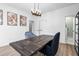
29 35
55 43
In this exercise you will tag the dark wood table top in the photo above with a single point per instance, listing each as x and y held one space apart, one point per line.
29 46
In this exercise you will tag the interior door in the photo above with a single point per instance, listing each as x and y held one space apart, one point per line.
69 30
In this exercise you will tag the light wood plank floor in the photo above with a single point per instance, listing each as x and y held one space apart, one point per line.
8 51
64 50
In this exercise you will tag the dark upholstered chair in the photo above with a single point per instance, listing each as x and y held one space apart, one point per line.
50 49
29 35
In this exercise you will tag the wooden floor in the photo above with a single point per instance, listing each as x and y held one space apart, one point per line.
8 51
64 50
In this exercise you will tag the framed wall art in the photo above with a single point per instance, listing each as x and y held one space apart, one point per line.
1 17
23 20
11 19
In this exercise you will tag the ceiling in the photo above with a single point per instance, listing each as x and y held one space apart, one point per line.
44 7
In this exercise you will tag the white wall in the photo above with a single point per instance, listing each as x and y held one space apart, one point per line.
54 21
11 33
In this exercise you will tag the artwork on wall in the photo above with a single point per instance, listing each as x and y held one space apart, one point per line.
11 19
23 20
1 17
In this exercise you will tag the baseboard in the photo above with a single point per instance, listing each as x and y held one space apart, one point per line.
1 45
67 43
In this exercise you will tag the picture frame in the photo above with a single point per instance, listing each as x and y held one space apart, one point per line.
11 19
23 20
1 17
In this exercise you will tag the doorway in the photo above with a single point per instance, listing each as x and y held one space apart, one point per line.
31 26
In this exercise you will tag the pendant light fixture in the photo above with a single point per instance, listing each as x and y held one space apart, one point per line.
35 11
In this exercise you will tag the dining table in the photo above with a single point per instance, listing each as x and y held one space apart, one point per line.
29 46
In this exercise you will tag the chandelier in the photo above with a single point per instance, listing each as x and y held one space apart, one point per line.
35 11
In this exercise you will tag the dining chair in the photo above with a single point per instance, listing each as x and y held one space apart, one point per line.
51 48
29 35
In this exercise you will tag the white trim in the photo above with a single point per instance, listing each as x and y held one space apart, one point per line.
4 44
